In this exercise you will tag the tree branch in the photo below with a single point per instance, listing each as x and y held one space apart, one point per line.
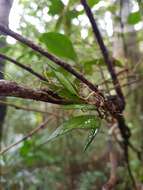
29 135
8 88
104 50
99 96
125 132
30 70
29 109
111 183
50 56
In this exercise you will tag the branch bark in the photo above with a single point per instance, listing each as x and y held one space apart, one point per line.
108 60
125 132
30 70
8 88
102 102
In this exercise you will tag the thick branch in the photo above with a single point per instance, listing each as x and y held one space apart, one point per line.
8 88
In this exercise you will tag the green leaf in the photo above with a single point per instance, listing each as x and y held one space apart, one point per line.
59 131
79 107
91 3
134 18
65 82
118 63
62 92
68 95
26 148
56 7
82 122
79 122
59 44
90 138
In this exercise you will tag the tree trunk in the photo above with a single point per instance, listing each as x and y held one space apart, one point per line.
133 55
5 6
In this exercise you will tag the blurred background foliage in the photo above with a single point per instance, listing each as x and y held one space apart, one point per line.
62 27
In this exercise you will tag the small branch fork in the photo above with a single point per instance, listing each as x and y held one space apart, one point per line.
109 62
101 100
51 57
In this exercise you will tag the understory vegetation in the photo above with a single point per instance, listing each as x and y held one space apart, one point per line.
71 102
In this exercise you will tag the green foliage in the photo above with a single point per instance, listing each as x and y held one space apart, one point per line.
78 122
26 148
93 2
59 44
82 122
84 107
88 65
91 137
66 83
45 161
55 7
88 179
134 17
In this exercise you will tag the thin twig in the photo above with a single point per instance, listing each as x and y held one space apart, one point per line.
126 153
103 77
29 135
30 70
139 80
118 74
26 108
138 152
